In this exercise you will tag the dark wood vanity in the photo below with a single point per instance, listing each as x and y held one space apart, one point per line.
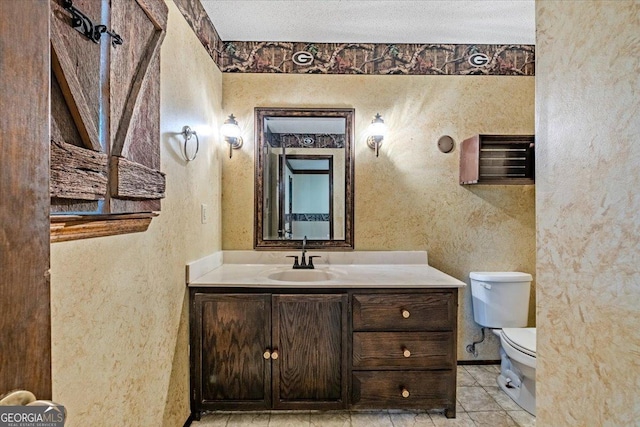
322 349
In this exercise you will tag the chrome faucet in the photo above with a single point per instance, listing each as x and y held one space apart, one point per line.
303 260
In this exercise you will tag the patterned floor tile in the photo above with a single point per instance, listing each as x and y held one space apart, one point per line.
484 375
492 419
330 419
290 420
212 420
464 378
503 399
523 418
249 420
477 399
461 420
410 419
370 419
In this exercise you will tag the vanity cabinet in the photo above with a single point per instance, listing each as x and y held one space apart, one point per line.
309 332
230 351
307 348
258 351
404 350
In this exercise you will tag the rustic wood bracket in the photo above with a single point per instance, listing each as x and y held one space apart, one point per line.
134 181
77 173
84 25
74 227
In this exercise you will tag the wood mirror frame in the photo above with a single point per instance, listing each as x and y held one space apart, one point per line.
260 242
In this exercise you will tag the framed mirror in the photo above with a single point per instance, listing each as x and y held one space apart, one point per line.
304 178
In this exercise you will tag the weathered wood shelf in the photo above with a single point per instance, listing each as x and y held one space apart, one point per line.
74 227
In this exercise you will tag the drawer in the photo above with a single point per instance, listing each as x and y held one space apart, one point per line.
389 350
433 311
422 389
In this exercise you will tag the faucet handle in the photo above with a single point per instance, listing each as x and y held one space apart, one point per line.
295 261
311 257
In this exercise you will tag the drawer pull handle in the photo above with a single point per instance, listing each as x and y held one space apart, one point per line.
406 352
274 354
266 354
405 392
406 314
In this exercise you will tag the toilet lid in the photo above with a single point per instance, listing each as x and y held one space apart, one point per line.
522 339
500 276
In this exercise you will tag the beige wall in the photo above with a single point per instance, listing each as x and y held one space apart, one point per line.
408 198
588 160
119 307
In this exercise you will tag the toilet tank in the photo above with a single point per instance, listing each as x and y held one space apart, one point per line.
500 299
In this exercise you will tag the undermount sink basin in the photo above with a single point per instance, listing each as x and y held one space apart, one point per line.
301 276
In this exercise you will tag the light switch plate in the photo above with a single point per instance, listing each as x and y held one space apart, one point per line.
204 213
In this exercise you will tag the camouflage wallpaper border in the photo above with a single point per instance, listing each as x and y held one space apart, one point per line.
199 21
378 58
357 58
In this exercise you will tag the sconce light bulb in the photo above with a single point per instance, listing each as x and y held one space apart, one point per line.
232 134
377 127
230 128
376 133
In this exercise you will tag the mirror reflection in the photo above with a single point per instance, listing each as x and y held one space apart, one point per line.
304 177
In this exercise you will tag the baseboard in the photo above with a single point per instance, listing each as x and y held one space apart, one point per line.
189 421
478 362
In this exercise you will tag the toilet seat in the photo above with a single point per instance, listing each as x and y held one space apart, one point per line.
521 339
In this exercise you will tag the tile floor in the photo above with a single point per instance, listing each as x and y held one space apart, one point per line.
480 403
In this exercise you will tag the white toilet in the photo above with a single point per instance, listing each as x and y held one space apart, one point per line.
501 302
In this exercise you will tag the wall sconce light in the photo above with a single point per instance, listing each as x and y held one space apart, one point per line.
188 133
376 131
232 134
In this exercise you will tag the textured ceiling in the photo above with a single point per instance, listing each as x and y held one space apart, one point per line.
375 21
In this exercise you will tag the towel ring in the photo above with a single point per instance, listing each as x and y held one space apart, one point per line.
187 132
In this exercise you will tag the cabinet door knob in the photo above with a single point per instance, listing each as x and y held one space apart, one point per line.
406 314
274 354
266 354
405 392
406 352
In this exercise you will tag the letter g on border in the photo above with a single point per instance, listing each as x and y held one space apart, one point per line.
302 58
479 60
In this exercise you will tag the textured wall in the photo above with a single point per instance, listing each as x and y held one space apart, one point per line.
409 197
119 306
588 155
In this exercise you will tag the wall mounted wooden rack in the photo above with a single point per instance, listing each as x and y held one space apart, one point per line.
498 160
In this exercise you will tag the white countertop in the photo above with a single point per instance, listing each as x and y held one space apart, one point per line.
344 270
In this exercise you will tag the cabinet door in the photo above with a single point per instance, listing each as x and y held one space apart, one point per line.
309 335
231 334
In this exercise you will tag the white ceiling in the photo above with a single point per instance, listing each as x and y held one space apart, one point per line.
375 21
